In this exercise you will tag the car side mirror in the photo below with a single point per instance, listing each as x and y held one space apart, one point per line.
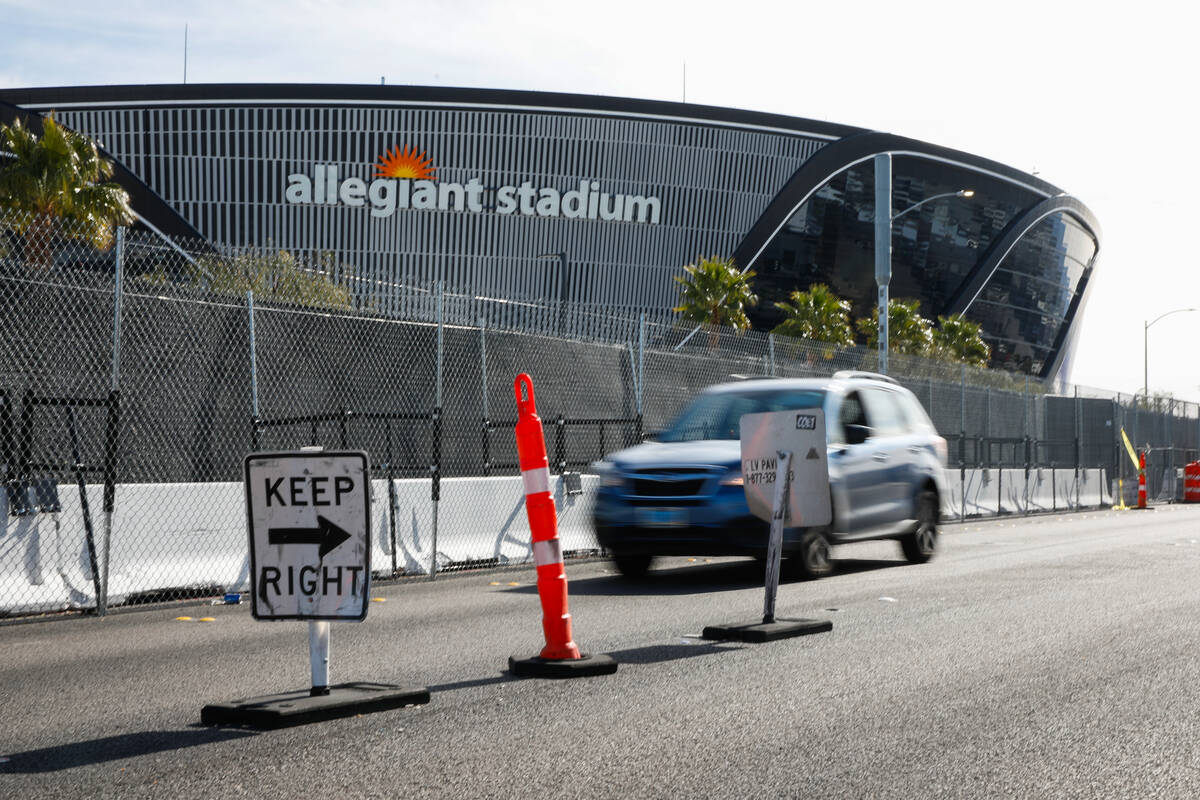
857 434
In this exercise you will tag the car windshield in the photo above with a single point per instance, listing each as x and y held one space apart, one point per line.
716 415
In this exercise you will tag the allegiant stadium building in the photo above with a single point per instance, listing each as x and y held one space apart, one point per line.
594 203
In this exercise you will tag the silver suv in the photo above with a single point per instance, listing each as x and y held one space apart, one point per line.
681 494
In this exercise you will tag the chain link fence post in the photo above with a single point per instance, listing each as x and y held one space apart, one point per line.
640 387
1079 431
255 419
485 435
435 487
112 425
962 439
1026 438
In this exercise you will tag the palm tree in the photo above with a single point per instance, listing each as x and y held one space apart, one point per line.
819 315
56 185
714 292
908 332
959 339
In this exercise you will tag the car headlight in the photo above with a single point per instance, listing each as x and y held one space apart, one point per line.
608 473
733 478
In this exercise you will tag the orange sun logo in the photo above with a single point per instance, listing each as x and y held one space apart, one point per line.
405 164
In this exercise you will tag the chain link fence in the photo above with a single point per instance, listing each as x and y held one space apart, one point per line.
133 382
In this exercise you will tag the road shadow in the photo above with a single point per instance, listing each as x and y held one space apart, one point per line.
701 578
659 653
115 748
696 578
504 677
850 566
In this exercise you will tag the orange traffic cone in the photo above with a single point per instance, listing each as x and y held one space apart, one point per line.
1141 480
561 657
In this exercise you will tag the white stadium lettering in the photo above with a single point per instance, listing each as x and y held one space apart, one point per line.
385 196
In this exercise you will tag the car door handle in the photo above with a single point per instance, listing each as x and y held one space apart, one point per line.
915 449
880 456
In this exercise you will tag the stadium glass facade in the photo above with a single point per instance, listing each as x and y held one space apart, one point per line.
518 199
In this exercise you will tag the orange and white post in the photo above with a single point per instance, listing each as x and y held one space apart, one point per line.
560 657
1141 480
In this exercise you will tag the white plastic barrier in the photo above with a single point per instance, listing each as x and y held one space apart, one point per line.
178 536
44 563
1093 489
980 493
952 501
1065 487
1041 490
479 520
1012 491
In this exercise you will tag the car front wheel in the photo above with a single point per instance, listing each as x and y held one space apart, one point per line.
920 545
815 557
632 565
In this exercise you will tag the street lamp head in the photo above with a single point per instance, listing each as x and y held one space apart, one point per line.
966 192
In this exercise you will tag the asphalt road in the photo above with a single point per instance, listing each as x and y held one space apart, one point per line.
1042 657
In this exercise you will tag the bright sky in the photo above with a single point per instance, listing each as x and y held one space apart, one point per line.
1097 98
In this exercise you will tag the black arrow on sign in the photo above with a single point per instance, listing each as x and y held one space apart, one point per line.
326 534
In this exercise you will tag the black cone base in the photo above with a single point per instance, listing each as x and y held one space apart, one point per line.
757 632
300 708
583 667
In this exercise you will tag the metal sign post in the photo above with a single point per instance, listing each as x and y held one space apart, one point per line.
308 515
785 472
779 515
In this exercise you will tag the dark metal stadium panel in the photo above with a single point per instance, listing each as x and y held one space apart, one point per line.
838 156
153 210
1013 234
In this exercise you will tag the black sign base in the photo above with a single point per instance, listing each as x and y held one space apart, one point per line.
301 708
757 632
583 667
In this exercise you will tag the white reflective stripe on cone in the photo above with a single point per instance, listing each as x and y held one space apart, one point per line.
547 552
536 480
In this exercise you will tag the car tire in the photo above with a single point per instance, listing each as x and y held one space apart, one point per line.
632 565
814 557
920 545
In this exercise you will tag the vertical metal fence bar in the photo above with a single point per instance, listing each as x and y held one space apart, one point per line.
1079 429
962 440
987 427
255 419
1025 442
1170 442
8 454
110 439
560 445
435 487
98 577
641 381
118 292
391 479
485 437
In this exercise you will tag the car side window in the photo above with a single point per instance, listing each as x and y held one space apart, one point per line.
914 412
850 412
883 406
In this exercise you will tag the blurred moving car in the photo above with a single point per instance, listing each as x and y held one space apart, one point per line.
681 494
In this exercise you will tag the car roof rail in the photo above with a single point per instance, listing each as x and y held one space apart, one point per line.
846 374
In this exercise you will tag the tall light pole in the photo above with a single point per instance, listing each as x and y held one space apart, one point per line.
1146 351
883 241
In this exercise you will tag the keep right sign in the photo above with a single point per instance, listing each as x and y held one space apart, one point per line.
309 522
802 432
